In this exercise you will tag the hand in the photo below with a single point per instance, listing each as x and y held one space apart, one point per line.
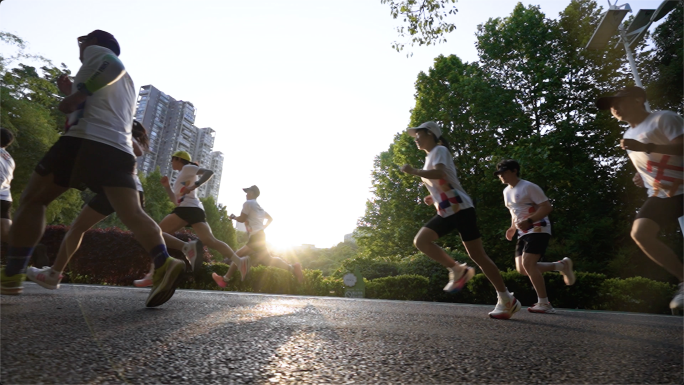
428 200
64 84
632 145
408 169
637 180
232 216
523 225
510 233
165 181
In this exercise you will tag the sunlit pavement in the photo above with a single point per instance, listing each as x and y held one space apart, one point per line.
97 334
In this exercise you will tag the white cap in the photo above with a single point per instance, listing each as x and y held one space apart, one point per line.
430 126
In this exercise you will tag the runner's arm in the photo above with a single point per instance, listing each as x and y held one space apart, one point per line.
242 218
437 173
137 149
269 219
205 176
676 146
109 70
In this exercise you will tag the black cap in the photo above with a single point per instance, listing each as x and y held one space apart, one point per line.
505 165
106 39
253 189
606 102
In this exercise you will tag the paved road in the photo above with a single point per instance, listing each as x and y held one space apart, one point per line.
99 334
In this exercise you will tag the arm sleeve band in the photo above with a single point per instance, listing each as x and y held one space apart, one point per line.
109 71
205 177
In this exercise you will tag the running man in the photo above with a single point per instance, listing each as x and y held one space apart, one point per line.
529 209
655 144
455 211
96 153
253 216
96 210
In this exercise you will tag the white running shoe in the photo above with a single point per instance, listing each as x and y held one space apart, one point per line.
678 300
568 273
545 308
505 310
145 282
192 250
456 285
45 277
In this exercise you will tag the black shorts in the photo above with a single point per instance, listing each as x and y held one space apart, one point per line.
257 241
532 244
662 210
5 207
464 221
101 204
82 163
191 215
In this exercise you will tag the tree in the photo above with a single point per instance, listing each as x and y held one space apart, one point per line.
664 73
425 18
29 109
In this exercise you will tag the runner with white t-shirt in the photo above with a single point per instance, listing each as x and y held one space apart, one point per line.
655 144
253 216
455 211
96 153
189 210
7 166
96 210
529 209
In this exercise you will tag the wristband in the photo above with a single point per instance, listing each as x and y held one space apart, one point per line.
82 87
530 221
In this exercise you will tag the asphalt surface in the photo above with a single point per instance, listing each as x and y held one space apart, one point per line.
97 334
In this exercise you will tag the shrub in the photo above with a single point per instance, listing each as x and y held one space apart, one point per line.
400 287
636 294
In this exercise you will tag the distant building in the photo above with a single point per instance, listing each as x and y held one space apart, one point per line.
170 124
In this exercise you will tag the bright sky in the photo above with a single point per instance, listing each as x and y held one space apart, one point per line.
303 94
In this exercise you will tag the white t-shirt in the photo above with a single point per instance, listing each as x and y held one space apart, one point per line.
662 174
447 193
6 174
107 115
187 177
522 201
255 216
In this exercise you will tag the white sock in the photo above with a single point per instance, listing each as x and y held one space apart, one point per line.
504 296
544 300
458 269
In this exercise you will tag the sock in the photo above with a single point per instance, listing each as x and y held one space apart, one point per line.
504 296
159 255
458 270
544 300
17 260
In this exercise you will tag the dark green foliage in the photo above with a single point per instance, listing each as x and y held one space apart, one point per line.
401 287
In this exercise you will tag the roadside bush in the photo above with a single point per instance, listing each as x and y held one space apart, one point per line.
636 294
400 287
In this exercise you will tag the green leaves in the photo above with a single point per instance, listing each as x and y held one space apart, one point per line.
426 21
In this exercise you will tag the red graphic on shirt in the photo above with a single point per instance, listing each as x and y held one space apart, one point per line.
661 177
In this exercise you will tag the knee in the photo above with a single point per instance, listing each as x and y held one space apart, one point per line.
638 235
521 270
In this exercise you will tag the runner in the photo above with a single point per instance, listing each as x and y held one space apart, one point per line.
7 166
190 211
654 143
97 209
455 211
253 216
96 153
529 209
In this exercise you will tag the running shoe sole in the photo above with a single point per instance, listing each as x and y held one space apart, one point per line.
516 307
39 282
569 279
549 311
168 285
219 280
460 284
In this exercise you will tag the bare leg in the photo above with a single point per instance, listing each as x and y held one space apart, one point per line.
645 234
204 233
173 242
541 266
529 262
480 257
29 219
126 203
72 240
424 241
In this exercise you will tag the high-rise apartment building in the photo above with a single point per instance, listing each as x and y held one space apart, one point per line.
170 124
